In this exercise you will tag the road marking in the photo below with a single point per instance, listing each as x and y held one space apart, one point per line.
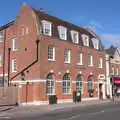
4 117
91 114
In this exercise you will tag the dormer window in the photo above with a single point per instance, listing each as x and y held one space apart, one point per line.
75 36
85 39
95 43
46 28
62 32
1 35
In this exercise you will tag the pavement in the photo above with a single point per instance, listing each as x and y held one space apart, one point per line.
41 109
92 110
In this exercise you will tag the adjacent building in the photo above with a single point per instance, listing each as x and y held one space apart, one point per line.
112 69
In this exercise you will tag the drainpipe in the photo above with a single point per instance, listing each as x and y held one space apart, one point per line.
35 61
9 50
4 57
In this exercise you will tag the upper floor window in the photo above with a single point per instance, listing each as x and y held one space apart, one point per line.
85 40
62 32
14 65
100 64
1 60
90 60
46 28
117 72
75 36
95 43
1 35
51 53
67 54
14 44
112 70
80 59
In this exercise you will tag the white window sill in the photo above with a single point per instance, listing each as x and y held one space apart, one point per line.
90 65
100 67
51 60
51 94
79 64
67 93
67 62
14 50
14 71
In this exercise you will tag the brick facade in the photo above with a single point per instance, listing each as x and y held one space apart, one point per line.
26 28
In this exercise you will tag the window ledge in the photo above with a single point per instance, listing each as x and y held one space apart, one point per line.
14 71
67 93
14 50
79 64
51 60
67 62
90 65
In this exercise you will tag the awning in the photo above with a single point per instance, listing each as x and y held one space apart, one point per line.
117 81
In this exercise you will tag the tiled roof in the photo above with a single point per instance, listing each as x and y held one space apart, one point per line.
57 21
7 25
111 51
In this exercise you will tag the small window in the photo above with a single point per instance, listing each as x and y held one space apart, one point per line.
1 60
80 59
95 43
62 32
51 53
1 35
90 84
14 65
14 44
117 72
46 28
90 60
23 31
67 54
112 70
100 64
27 30
75 37
85 40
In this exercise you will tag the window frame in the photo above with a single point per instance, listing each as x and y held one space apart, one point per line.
1 60
14 65
85 39
76 41
94 41
80 59
91 60
50 87
62 31
67 56
66 84
46 25
100 62
1 36
53 53
14 44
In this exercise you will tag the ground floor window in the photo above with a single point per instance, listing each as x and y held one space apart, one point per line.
79 87
50 84
66 83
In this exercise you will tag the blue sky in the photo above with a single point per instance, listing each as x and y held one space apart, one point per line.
100 15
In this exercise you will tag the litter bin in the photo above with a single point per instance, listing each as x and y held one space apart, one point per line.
52 99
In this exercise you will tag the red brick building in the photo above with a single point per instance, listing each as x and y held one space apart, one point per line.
45 55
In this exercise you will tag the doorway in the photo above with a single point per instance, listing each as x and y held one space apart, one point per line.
100 91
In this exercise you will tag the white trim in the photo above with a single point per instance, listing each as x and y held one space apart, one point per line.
34 80
65 101
4 74
94 98
35 103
